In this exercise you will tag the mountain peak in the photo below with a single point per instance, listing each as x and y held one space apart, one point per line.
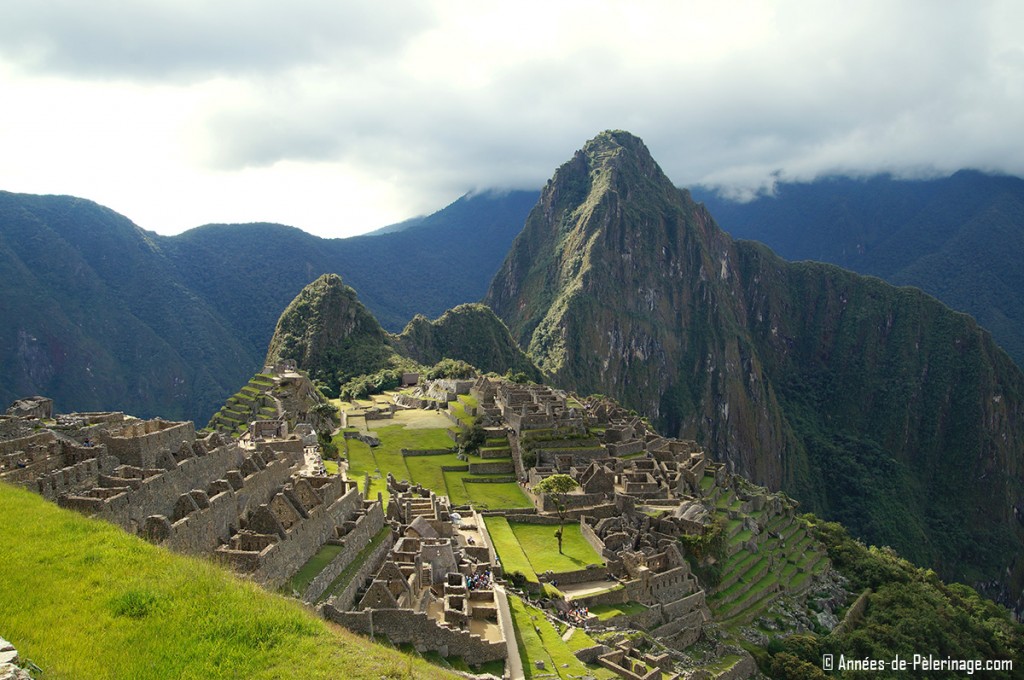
329 333
614 159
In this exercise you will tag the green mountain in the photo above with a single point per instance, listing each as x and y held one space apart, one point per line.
97 317
326 329
873 405
104 315
469 332
958 238
328 332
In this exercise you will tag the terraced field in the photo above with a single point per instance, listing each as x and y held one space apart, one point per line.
783 561
442 472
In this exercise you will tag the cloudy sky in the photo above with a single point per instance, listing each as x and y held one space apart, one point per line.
339 117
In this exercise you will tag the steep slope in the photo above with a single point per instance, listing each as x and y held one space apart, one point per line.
469 332
329 333
873 404
83 599
103 315
958 238
96 318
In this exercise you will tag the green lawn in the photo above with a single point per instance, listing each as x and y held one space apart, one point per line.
509 551
540 545
539 640
458 409
496 496
607 611
83 599
362 461
426 470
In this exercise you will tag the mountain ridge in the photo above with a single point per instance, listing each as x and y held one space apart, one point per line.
957 238
724 342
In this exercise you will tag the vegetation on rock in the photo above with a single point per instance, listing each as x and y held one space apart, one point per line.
870 404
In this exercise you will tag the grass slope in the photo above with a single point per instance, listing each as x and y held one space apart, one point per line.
83 599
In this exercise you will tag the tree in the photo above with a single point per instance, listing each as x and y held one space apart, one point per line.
559 486
472 439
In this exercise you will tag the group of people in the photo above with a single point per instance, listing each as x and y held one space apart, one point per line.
479 580
578 615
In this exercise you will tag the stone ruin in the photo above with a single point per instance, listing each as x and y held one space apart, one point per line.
253 506
434 590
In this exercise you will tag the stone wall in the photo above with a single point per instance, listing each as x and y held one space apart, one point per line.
366 527
591 537
346 599
568 578
671 585
549 503
24 443
684 605
502 468
580 456
304 539
426 452
203 529
404 626
146 443
158 494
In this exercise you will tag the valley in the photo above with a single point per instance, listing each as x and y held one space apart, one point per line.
655 452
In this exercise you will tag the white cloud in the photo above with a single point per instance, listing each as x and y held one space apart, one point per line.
341 117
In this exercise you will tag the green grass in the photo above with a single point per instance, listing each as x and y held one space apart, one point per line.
426 470
509 551
539 640
496 496
313 567
457 493
83 599
540 545
342 580
608 611
458 409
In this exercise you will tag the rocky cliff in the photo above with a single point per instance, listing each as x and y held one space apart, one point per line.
873 405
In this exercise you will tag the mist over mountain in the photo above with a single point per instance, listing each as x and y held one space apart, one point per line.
874 405
959 238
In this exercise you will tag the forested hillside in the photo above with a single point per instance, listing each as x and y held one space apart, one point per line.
872 404
959 238
102 314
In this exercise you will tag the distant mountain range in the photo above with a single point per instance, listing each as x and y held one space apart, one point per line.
873 405
959 238
101 314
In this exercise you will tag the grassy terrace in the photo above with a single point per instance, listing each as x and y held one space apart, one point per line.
539 640
532 548
609 611
511 554
313 567
342 580
83 599
422 430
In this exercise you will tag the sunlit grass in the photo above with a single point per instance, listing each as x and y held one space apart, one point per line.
83 599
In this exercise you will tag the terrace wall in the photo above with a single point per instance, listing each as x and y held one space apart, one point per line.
404 626
346 599
354 541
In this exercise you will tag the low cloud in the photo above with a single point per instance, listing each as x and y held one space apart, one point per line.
459 96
